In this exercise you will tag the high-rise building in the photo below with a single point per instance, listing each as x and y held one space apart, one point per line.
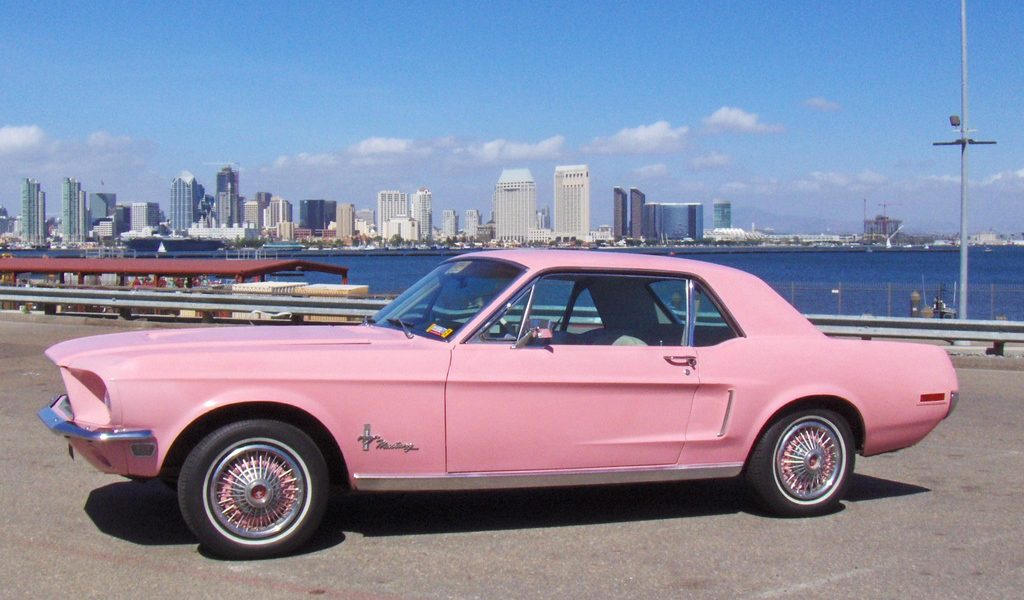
228 210
723 214
422 211
33 213
636 213
673 221
101 205
263 198
186 196
252 215
572 202
391 204
279 211
472 223
316 215
449 224
345 220
620 213
515 205
145 214
74 220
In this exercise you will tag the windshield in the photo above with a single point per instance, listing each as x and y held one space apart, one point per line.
438 305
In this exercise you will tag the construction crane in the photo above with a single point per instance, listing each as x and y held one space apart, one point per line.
885 207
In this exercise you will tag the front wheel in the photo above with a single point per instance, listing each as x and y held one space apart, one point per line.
253 489
802 465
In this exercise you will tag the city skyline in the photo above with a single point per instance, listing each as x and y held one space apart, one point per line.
802 110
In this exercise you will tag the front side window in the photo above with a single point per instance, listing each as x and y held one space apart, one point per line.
439 304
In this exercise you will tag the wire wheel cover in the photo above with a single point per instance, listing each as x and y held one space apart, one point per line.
257 490
809 459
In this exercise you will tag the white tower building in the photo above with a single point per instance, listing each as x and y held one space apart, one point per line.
514 205
572 202
421 210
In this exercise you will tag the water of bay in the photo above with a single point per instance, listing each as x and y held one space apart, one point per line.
826 282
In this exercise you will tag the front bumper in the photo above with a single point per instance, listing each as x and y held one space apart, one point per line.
109 449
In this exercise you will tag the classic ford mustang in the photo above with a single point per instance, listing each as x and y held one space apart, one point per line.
501 369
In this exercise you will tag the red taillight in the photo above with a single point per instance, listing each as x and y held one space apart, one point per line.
932 397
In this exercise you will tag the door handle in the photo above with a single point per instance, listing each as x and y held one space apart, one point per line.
682 361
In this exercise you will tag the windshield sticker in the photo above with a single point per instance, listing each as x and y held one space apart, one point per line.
439 331
457 268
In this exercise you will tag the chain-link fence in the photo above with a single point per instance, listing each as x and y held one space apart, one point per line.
986 301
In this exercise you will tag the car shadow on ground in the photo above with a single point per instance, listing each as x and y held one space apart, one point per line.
147 513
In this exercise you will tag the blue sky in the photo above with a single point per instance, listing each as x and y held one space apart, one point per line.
795 111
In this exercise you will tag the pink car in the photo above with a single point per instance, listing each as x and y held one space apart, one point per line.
500 369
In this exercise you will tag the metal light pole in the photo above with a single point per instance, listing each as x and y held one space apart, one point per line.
963 142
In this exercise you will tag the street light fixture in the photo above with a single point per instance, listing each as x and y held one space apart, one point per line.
963 142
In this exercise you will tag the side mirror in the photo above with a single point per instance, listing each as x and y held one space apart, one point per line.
538 333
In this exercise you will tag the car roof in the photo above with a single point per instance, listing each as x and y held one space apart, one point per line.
756 307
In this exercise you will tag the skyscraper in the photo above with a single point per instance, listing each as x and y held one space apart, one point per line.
572 201
449 224
101 205
33 213
723 214
145 214
279 211
472 222
186 195
228 210
620 213
673 221
391 204
636 213
515 205
422 211
345 220
316 215
74 220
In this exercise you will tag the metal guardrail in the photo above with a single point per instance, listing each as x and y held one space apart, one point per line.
146 302
997 333
211 305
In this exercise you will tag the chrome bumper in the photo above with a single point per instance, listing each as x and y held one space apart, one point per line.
62 425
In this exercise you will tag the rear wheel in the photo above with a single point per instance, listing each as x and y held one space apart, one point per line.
253 489
802 465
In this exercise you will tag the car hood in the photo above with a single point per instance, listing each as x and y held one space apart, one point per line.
224 338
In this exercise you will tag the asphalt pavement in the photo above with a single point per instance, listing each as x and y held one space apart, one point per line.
940 520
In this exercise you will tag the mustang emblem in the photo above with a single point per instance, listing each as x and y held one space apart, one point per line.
381 444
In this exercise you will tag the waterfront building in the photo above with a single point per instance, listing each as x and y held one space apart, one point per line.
673 221
228 210
515 205
345 220
145 214
572 202
405 227
449 224
723 214
421 210
637 199
485 232
236 233
543 219
33 213
286 231
6 222
472 223
186 195
101 205
316 215
74 220
538 236
620 213
880 229
391 204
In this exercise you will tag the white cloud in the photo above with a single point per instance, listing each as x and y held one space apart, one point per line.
713 160
736 120
821 104
651 171
499 150
381 145
20 139
656 138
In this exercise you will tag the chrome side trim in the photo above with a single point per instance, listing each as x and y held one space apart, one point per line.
62 427
728 411
498 481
